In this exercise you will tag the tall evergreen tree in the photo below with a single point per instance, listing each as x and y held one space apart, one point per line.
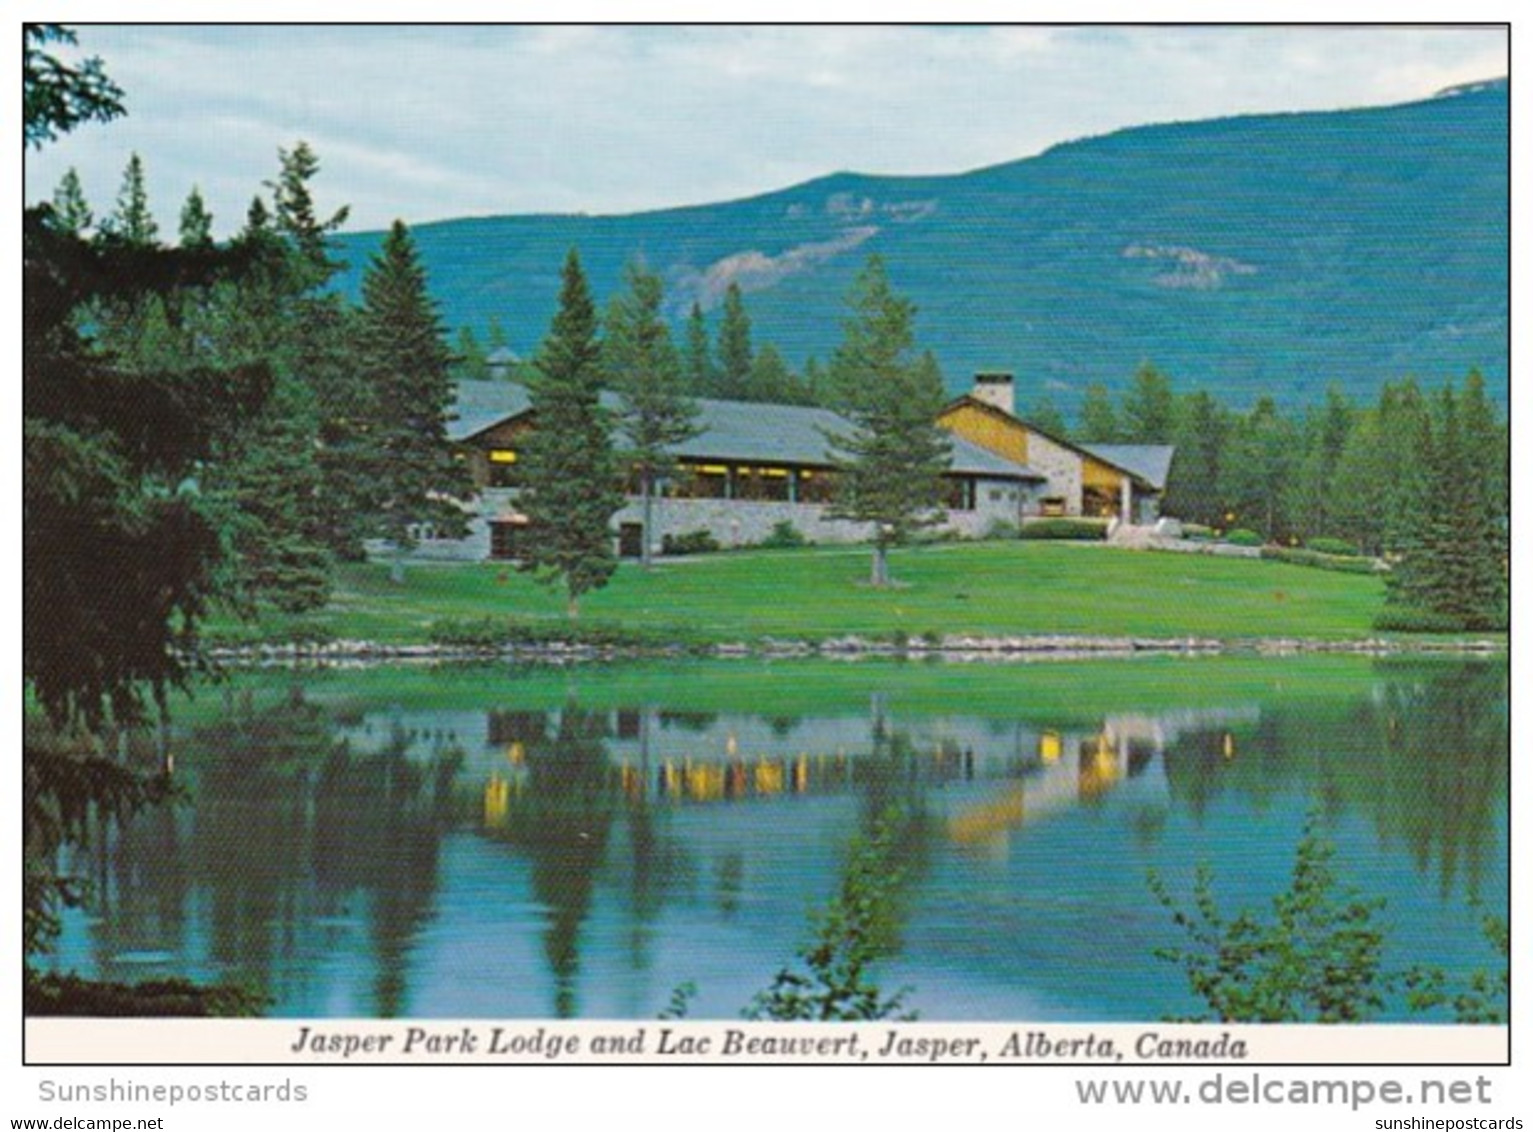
735 353
772 381
569 471
132 222
1263 458
196 221
1099 420
1148 408
699 372
1043 412
120 556
405 366
889 467
1194 491
71 213
642 365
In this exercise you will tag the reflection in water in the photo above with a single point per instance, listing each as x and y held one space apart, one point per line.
372 863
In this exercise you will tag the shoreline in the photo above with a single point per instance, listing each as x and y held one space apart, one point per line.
958 648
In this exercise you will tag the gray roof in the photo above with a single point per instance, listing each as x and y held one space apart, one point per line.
1150 462
729 430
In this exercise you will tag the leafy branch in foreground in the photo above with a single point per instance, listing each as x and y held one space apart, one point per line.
853 931
1319 959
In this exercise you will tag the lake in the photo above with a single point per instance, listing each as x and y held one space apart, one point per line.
530 842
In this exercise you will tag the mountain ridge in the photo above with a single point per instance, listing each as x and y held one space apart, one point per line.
1257 254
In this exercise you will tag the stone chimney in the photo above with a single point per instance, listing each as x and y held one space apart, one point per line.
996 389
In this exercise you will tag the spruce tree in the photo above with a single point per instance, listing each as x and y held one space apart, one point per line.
71 213
1099 420
1195 488
1148 408
196 222
131 222
569 471
643 367
734 352
697 358
405 367
890 466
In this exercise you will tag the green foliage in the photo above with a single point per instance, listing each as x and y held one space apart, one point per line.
71 212
697 356
890 465
1002 529
735 354
1240 536
1332 546
57 97
1148 408
1099 420
413 475
1481 999
72 996
1410 619
132 222
196 227
1077 529
569 471
834 982
1344 564
1454 528
1318 958
642 365
784 536
700 541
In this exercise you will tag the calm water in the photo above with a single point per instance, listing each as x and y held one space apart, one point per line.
493 844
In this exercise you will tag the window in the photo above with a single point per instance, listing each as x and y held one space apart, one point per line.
958 493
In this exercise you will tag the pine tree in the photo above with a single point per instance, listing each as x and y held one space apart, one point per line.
642 365
1195 488
405 363
1263 459
700 375
71 213
890 466
771 380
569 472
265 482
1044 413
131 221
121 557
734 353
1148 408
1099 420
196 222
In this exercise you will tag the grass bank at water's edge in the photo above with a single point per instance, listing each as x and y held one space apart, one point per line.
984 589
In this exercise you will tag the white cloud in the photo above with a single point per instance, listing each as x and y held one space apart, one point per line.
426 123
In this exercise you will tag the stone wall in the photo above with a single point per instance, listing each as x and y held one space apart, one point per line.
733 522
1061 465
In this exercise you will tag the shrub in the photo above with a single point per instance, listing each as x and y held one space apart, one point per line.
1299 557
1064 529
1333 546
1002 529
1318 958
1197 532
833 980
784 536
690 542
1240 536
1413 619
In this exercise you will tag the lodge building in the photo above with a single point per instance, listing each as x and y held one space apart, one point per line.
753 466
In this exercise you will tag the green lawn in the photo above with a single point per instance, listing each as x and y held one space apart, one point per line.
998 588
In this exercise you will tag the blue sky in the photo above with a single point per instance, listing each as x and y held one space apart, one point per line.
428 123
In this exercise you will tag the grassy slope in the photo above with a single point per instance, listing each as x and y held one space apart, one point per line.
987 588
1055 693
